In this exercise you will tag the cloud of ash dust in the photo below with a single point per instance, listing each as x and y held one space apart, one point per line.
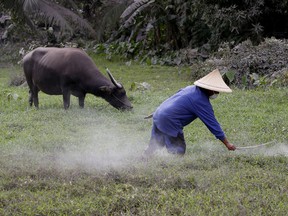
103 150
119 150
276 149
273 149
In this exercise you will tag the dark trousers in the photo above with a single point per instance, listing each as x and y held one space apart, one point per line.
158 140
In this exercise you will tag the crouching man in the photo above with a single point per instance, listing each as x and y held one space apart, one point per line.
184 107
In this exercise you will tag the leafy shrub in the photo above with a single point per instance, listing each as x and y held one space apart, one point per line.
249 66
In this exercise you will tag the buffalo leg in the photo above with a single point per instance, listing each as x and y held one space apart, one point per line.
34 95
81 101
30 98
66 98
32 90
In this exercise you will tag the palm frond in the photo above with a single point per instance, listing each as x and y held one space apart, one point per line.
29 5
133 10
62 16
53 12
110 19
136 5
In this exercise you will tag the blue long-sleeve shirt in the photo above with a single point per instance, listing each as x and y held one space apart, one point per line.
184 107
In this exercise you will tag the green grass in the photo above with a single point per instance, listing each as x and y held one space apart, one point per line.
86 161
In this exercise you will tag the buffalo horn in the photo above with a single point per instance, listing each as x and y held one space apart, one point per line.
118 85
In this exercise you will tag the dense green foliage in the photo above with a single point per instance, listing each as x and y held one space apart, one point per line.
204 24
87 161
249 66
161 25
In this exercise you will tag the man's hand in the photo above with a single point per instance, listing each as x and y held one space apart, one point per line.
230 147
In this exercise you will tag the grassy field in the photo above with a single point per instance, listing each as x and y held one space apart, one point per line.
87 161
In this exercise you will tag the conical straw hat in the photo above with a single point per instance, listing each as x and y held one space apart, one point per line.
213 81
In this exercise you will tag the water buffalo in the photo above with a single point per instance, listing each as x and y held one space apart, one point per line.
66 71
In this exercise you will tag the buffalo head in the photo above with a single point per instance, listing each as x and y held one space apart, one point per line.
116 95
